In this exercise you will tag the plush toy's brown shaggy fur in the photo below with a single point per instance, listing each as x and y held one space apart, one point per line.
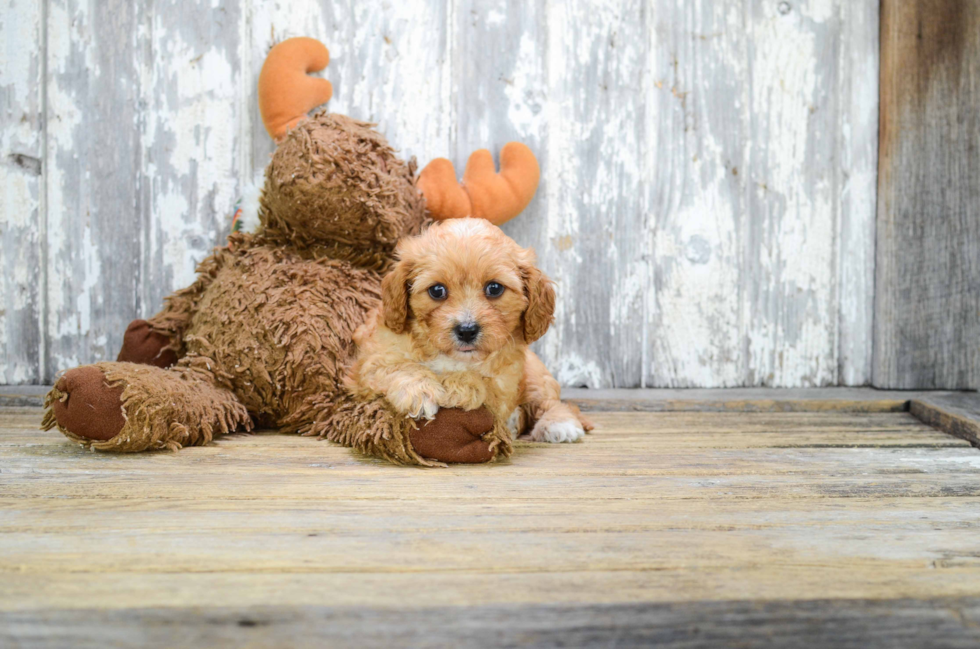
264 336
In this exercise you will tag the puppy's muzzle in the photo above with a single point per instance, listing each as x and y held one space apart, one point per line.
466 332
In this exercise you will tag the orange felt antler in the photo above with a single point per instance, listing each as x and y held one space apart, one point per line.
496 197
286 93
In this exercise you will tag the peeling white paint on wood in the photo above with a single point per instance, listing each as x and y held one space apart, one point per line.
696 132
190 140
708 191
92 179
789 290
21 190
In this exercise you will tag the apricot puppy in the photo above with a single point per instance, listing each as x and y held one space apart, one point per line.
457 314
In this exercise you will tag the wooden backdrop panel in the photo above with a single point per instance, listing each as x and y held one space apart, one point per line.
696 134
707 199
927 306
857 192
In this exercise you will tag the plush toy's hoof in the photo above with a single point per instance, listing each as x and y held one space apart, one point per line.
454 436
90 408
143 345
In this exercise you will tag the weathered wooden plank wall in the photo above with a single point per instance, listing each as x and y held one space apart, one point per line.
927 310
708 194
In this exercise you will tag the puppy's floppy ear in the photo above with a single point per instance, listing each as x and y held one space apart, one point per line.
540 293
394 297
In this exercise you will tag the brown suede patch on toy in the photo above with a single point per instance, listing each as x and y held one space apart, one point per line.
455 436
142 344
87 405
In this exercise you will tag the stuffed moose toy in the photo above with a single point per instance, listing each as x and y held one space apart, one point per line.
263 337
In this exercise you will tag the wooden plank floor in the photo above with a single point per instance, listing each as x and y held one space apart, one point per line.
683 528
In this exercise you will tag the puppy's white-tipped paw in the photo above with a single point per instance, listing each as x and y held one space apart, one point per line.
417 403
556 432
423 407
427 409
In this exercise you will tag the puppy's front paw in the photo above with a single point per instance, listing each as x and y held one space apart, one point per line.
463 390
425 408
418 401
557 430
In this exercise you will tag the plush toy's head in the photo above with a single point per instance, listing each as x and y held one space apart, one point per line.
335 181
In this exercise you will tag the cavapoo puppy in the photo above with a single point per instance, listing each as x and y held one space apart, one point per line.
457 314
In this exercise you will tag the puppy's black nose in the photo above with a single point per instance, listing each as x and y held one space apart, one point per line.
466 332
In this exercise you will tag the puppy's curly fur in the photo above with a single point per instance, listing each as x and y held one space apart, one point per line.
458 312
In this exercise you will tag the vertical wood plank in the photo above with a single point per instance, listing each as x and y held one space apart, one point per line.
697 102
191 139
93 163
596 59
858 187
21 188
789 269
927 300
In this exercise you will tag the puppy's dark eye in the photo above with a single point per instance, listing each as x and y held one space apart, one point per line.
493 289
438 292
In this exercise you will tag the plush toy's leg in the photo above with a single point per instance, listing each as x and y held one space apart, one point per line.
124 407
146 345
454 436
159 340
459 436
